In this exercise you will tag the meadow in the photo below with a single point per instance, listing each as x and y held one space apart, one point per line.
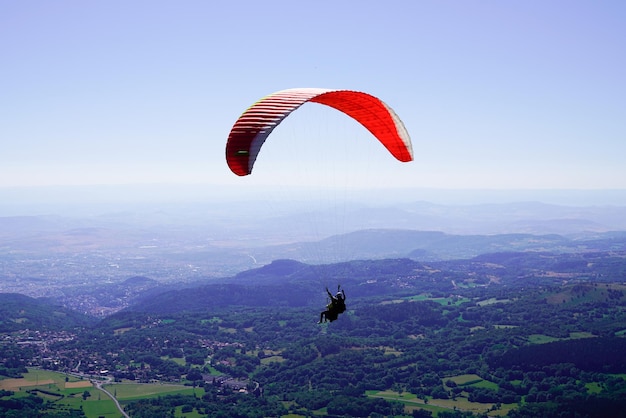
126 392
68 392
412 402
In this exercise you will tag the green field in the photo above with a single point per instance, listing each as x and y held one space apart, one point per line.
66 392
471 380
272 359
425 296
177 360
593 387
465 379
133 391
542 339
411 402
491 301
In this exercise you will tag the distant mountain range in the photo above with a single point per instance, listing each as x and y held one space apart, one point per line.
267 221
244 233
431 246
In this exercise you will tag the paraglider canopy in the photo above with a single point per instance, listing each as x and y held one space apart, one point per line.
254 126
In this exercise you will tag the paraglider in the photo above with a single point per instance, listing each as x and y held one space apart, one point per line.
254 126
336 306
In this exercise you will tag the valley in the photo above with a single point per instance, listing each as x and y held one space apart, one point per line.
446 338
190 317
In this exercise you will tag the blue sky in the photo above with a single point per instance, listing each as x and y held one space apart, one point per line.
495 95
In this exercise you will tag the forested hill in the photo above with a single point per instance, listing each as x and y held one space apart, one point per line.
20 312
290 283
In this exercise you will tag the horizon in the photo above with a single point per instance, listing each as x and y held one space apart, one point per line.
101 199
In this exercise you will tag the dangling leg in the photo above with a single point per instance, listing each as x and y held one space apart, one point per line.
324 317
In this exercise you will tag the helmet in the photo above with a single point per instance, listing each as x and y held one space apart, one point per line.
339 295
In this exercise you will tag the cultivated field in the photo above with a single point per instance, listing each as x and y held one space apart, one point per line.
125 392
68 392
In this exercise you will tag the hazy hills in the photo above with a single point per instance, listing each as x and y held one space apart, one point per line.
83 258
430 245
234 236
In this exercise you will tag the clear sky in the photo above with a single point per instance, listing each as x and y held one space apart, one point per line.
495 94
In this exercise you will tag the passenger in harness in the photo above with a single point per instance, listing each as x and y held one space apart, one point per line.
336 306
